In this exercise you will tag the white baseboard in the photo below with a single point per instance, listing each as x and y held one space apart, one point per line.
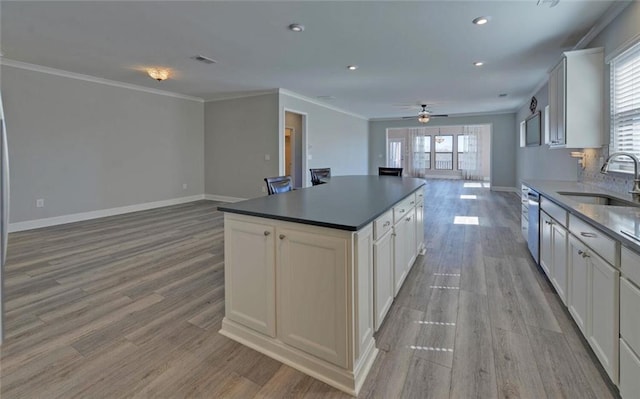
78 217
222 198
507 189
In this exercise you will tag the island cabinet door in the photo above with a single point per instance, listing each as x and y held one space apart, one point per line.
312 293
250 275
400 259
382 277
419 226
410 245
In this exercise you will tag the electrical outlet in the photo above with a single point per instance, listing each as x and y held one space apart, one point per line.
264 189
267 157
184 186
40 203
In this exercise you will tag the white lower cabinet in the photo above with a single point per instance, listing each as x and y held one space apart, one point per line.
594 302
629 372
312 290
559 260
404 248
604 307
546 243
578 283
382 277
253 270
419 226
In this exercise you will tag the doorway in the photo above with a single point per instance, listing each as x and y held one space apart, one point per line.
292 162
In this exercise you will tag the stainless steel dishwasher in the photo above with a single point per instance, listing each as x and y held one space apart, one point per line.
533 236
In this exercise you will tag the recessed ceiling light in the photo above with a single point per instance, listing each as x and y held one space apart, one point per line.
296 27
480 20
478 63
352 67
502 95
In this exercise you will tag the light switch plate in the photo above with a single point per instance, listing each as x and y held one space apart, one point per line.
267 157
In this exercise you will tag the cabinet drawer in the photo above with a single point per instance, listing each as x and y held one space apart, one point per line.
629 372
420 196
595 239
630 314
553 210
524 192
403 207
630 263
382 224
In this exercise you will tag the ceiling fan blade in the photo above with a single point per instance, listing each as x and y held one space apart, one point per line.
439 116
409 117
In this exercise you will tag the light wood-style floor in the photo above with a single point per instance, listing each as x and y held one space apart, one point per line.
129 307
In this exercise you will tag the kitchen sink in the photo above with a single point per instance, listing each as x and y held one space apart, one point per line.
598 199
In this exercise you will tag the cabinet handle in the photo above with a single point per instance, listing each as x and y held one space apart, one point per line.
584 254
393 234
282 236
266 233
588 235
401 210
408 219
548 222
412 202
387 223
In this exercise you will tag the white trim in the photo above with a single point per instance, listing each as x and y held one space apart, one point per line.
222 198
321 104
612 12
306 179
93 79
622 48
506 189
236 95
78 217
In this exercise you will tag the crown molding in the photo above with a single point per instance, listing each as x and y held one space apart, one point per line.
320 104
236 95
93 79
611 13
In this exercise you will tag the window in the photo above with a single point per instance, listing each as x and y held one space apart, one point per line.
444 152
625 107
461 150
422 152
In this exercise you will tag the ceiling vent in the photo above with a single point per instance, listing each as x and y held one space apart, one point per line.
203 59
550 3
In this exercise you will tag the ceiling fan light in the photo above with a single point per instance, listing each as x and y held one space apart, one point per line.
158 74
423 118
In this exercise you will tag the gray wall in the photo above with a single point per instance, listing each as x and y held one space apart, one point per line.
542 162
85 146
335 139
504 139
238 135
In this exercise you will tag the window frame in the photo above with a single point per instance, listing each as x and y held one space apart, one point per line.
620 61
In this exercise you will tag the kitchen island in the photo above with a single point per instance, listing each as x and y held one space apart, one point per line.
310 274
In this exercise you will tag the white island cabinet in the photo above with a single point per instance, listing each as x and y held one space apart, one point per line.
309 291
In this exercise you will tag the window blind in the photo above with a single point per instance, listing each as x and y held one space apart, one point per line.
625 106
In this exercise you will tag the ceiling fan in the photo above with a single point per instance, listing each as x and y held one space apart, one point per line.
424 116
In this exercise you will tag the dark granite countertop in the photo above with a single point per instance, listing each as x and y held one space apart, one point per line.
610 219
345 202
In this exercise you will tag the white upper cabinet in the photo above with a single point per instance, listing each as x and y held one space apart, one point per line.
576 98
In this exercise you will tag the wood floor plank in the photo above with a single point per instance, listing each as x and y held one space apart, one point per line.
557 365
426 380
516 370
504 307
473 374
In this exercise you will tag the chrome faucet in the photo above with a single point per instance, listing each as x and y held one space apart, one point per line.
635 191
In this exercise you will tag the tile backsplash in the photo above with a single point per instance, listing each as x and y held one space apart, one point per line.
616 182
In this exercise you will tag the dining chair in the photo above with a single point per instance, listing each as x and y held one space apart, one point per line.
278 184
318 174
383 171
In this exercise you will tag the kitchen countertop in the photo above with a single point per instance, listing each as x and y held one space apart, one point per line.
345 202
610 219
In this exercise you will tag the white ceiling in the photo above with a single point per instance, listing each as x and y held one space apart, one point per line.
408 52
